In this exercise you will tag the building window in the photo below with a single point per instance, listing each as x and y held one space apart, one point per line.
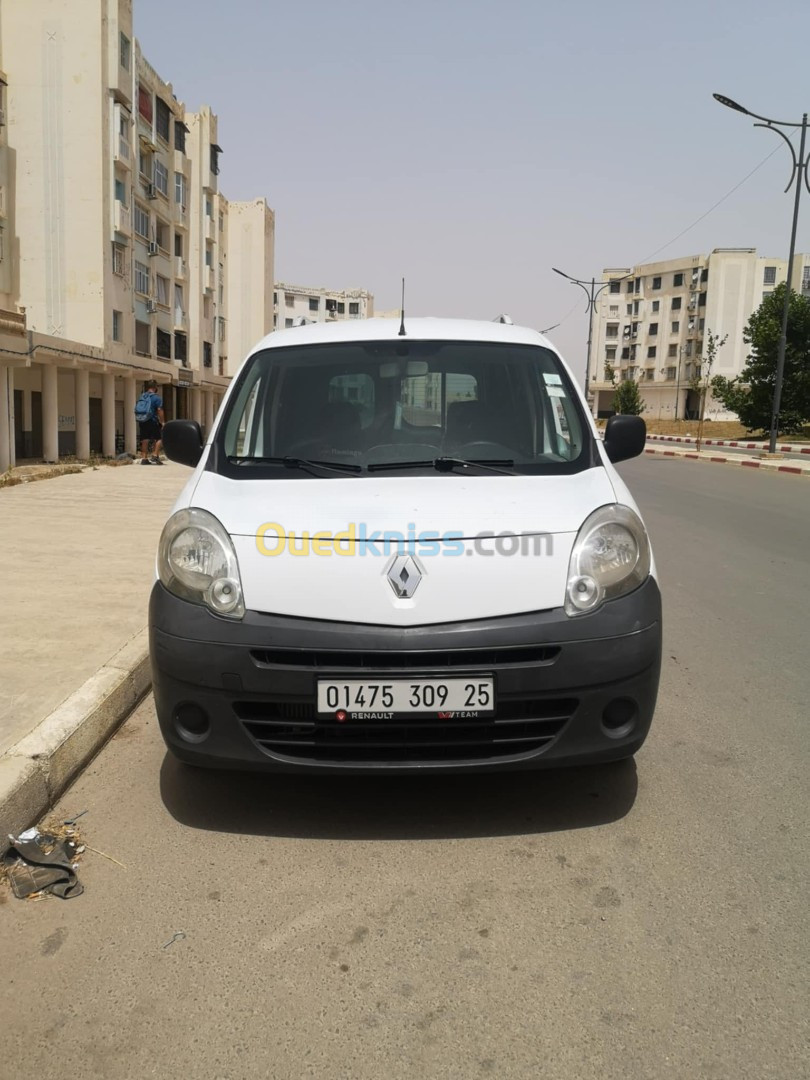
653 328
672 351
614 310
341 307
161 178
314 303
701 324
287 323
179 306
209 206
676 326
220 328
178 244
630 286
162 235
676 303
289 299
208 352
651 352
120 191
215 152
163 344
670 372
769 278
354 309
181 348
162 290
118 317
180 132
702 300
638 285
145 103
124 51
610 352
119 261
143 338
180 189
615 286
221 222
209 255
636 306
629 309
625 354
275 297
806 279
656 306
677 281
141 278
145 167
612 330
656 283
162 120
2 244
704 274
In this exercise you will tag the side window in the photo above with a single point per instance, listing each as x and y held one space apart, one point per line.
243 436
461 388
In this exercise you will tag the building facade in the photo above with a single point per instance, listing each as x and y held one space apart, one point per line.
651 323
114 236
293 302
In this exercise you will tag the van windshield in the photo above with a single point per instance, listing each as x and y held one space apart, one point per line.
355 408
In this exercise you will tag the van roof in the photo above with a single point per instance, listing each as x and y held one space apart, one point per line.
418 329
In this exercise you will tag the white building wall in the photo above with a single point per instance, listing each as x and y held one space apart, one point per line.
250 277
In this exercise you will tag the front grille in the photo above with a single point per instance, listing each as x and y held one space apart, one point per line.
399 660
294 730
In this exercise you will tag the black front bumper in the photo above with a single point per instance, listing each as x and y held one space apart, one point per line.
568 691
242 694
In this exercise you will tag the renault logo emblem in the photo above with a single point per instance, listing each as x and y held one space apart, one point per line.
404 575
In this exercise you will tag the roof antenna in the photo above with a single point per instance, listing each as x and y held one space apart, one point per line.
402 332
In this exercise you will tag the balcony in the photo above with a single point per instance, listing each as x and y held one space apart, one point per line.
180 319
122 219
123 153
13 322
208 228
180 270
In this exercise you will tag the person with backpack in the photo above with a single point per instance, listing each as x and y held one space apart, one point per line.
149 414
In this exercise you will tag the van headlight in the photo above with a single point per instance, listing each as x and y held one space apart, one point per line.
197 562
611 557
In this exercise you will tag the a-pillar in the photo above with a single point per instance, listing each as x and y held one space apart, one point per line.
82 392
108 415
196 404
209 411
50 412
130 432
6 427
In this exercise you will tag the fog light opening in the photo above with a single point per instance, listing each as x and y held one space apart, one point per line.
191 723
619 717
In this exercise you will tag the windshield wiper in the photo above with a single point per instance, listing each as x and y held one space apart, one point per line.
297 463
447 464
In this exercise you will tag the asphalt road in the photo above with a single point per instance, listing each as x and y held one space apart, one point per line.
643 921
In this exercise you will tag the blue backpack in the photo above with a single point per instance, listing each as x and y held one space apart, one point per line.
143 407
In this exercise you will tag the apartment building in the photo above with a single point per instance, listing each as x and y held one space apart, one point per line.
651 323
116 255
293 302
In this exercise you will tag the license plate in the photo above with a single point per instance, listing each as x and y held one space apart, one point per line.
357 697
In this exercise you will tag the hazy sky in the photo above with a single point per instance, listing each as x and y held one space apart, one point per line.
472 146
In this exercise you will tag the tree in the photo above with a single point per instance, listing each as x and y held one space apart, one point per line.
610 372
703 373
750 395
627 399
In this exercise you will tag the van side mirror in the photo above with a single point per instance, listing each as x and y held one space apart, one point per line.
625 437
183 441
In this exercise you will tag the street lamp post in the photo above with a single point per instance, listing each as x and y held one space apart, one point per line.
591 289
798 172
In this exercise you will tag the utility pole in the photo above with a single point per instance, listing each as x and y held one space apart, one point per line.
798 173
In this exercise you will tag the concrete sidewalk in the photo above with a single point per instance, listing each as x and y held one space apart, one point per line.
797 467
79 556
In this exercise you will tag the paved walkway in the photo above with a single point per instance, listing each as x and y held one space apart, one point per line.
78 564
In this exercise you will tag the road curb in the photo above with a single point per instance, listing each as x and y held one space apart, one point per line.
784 448
766 466
36 770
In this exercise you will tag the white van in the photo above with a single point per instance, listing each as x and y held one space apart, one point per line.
404 547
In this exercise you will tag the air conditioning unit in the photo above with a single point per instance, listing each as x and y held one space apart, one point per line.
151 193
153 248
151 306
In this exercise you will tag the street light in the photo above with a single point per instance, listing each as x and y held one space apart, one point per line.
800 167
591 291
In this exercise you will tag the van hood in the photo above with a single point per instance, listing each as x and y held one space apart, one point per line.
452 527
